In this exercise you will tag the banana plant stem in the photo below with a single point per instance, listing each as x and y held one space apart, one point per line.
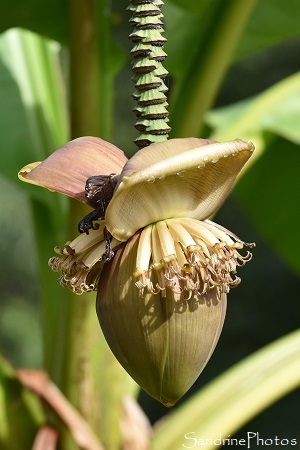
84 70
80 331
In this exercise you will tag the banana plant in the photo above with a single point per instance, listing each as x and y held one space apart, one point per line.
60 73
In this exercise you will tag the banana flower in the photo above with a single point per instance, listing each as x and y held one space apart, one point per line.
161 299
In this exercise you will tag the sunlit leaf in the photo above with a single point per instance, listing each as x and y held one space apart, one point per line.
235 397
276 109
14 127
35 114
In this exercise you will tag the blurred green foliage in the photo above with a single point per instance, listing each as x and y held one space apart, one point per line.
20 332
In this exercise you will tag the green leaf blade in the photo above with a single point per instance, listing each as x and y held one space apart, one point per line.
236 396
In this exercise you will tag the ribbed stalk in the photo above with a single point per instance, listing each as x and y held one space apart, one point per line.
148 71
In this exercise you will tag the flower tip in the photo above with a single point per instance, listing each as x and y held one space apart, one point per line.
247 145
169 403
172 392
251 146
23 174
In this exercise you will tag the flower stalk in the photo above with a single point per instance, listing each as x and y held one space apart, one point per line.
148 71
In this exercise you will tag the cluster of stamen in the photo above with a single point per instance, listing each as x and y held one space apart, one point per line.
80 261
184 255
188 256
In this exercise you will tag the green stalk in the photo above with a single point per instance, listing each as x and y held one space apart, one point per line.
90 72
52 296
84 70
148 71
202 82
93 380
81 328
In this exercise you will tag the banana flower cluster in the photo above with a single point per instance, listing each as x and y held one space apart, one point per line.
161 299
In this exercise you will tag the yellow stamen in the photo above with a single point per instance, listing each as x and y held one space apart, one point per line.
187 255
180 234
80 261
85 241
144 251
166 240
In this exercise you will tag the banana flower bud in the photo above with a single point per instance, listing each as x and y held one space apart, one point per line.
161 300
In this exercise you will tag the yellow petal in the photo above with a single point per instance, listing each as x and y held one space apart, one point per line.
175 178
67 169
